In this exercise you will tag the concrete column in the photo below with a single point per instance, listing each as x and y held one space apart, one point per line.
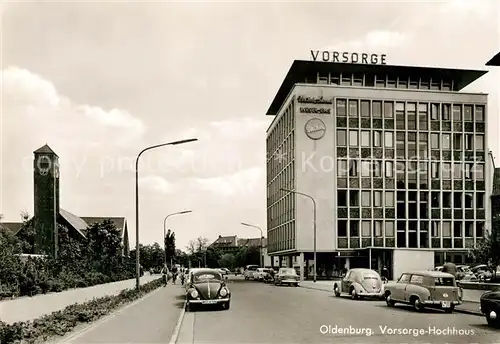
348 263
301 262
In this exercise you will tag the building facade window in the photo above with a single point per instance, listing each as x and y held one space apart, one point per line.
389 229
365 138
377 109
365 108
388 109
353 138
366 229
341 107
457 113
353 108
341 138
389 139
446 112
389 199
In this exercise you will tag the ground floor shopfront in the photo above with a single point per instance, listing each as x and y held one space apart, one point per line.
331 264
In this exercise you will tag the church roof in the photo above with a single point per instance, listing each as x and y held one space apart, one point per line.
45 149
495 60
14 227
75 221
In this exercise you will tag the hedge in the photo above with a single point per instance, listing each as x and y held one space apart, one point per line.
64 321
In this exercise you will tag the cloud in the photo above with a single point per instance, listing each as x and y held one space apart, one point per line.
373 40
242 184
31 101
225 147
157 183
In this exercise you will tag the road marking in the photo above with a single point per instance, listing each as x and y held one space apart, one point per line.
177 329
106 318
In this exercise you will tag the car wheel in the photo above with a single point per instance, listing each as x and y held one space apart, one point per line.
390 302
354 295
296 285
336 291
417 304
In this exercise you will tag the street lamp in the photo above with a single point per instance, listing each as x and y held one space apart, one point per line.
137 255
165 235
261 236
314 223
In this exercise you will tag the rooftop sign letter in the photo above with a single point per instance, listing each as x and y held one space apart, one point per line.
346 57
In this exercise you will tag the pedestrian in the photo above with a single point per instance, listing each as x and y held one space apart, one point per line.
165 273
450 268
174 274
385 274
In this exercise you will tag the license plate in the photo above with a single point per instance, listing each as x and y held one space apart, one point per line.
209 302
445 304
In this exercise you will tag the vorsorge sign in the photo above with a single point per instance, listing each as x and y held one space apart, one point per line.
347 57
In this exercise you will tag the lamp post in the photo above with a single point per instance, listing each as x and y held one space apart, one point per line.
261 236
137 255
314 223
165 234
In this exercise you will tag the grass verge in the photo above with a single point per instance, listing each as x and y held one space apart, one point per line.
64 321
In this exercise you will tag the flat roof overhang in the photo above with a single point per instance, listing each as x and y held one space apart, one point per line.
495 61
302 70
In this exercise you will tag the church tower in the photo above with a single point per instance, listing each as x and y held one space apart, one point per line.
46 200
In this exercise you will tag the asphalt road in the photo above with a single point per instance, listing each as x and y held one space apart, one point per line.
151 319
263 313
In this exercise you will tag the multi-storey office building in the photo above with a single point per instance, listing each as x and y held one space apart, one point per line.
395 158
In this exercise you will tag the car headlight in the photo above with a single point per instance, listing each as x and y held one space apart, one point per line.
223 292
194 294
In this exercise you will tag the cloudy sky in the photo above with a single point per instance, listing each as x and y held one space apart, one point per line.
100 81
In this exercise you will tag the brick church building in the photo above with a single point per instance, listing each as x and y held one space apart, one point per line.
47 211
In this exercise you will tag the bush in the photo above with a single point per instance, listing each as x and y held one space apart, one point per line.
61 322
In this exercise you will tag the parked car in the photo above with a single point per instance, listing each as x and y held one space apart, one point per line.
421 289
490 307
223 271
269 277
360 283
464 273
483 272
260 274
287 276
249 270
206 287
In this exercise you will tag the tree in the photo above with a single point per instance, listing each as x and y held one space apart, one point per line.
197 251
227 260
103 247
170 246
488 249
248 255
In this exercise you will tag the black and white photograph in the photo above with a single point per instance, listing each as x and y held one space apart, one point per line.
269 172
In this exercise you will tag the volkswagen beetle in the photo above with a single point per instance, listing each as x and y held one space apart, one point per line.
360 283
207 287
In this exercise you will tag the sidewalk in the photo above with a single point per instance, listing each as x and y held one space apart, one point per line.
468 306
29 308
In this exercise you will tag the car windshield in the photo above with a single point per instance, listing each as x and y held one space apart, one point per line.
445 281
288 271
370 277
206 276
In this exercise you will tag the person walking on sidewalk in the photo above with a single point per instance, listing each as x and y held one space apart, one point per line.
164 273
174 274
